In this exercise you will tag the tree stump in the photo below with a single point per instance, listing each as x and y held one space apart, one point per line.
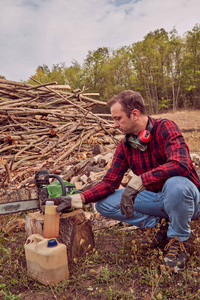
75 231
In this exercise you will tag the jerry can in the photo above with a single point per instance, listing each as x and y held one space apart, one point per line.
46 259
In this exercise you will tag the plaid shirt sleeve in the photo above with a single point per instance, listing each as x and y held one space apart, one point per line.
112 179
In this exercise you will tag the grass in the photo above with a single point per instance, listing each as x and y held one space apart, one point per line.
116 269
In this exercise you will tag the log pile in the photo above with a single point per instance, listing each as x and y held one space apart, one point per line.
48 126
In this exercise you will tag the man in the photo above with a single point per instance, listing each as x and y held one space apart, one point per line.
164 183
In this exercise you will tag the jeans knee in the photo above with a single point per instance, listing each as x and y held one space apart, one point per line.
177 187
178 192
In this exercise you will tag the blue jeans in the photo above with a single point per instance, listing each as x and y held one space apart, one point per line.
178 202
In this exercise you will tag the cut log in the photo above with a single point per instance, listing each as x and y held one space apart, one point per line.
75 231
34 223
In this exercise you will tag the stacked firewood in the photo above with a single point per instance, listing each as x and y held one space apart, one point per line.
47 126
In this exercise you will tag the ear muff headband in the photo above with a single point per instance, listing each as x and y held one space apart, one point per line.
144 136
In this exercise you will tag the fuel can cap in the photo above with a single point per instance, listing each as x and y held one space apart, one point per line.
52 243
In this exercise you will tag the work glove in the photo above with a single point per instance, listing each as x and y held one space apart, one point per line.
134 187
66 202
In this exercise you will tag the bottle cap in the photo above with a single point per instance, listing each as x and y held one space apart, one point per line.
52 243
49 202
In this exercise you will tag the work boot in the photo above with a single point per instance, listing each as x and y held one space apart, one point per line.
156 236
177 255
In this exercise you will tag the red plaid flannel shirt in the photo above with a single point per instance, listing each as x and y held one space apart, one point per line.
167 155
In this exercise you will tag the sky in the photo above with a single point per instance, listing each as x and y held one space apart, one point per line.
50 32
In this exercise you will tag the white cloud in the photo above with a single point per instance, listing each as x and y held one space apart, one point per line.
36 32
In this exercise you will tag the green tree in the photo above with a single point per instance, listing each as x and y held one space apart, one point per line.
174 68
158 62
121 71
73 75
42 74
96 71
191 81
149 59
57 73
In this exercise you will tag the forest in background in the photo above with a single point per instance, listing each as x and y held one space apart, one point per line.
164 67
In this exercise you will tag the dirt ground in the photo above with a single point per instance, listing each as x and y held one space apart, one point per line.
189 123
185 119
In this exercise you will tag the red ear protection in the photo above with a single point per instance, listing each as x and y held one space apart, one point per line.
144 136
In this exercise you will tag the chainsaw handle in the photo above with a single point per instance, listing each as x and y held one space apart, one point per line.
45 180
61 183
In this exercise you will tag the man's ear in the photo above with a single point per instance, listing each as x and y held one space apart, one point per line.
135 114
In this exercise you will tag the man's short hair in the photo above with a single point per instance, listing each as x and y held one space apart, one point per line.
129 100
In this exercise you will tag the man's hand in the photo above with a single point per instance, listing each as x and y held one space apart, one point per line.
66 202
134 187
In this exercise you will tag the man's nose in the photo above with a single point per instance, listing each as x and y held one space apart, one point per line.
116 124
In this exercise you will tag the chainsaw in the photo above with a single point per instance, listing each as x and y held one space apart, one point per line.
45 190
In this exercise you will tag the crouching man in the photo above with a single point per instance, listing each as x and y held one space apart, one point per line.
164 183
